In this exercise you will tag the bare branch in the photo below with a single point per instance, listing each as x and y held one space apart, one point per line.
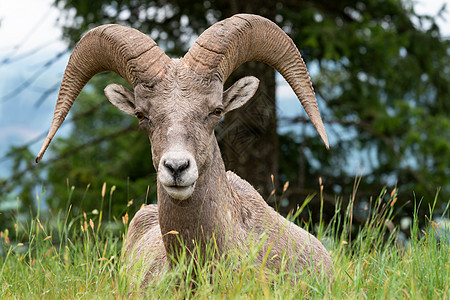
72 151
24 85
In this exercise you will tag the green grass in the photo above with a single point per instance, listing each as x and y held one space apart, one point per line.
76 258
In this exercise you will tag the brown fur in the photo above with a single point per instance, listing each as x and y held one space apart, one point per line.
222 204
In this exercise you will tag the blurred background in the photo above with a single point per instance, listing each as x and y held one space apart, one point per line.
380 69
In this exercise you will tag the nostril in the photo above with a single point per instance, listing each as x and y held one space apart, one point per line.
184 166
169 166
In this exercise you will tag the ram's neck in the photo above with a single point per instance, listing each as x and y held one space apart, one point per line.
211 211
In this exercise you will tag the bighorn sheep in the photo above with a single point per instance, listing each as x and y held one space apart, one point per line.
179 102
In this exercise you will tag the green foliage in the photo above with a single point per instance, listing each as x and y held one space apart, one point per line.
385 81
78 257
56 259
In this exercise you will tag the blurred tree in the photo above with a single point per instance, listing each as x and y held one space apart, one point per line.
381 73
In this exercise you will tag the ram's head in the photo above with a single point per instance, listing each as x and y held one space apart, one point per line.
179 102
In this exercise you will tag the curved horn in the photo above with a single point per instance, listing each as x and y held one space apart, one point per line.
227 44
123 50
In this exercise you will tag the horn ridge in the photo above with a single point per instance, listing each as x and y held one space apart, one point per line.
123 50
226 45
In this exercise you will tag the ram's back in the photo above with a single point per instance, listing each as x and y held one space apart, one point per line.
281 237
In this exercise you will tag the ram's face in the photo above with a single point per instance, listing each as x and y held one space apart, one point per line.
179 114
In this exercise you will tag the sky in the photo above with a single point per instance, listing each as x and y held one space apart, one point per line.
29 40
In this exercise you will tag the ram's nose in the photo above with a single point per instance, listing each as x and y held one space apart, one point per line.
176 166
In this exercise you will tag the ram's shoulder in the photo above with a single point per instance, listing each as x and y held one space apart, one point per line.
146 217
248 195
241 186
144 220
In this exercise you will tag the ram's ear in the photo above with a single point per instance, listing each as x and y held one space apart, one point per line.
239 93
121 97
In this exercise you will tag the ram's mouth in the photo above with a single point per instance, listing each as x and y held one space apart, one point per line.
177 187
179 192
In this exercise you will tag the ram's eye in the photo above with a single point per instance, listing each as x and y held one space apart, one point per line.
218 112
140 116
